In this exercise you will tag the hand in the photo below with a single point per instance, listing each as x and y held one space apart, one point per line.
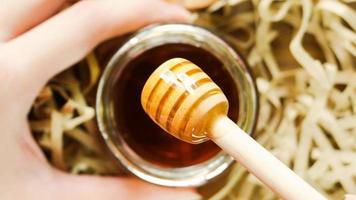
35 45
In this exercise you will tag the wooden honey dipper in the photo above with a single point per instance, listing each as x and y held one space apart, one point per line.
186 103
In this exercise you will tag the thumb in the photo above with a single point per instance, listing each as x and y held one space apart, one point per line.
95 187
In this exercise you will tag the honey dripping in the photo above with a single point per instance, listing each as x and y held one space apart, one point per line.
142 135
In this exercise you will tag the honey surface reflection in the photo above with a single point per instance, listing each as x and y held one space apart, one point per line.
146 138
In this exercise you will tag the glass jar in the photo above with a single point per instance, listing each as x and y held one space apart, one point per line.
113 112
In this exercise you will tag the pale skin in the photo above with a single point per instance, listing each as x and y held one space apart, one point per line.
36 43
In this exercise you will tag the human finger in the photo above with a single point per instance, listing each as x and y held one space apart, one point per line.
17 16
61 41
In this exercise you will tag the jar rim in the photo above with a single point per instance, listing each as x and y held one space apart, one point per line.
153 36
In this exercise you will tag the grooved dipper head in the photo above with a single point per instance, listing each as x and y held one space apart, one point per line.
182 100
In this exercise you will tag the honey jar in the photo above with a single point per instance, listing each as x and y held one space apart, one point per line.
140 145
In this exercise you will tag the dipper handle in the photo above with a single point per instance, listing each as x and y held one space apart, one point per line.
261 163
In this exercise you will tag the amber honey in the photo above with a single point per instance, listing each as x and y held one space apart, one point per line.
141 134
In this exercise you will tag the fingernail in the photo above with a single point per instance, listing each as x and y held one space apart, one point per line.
186 15
195 197
193 17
